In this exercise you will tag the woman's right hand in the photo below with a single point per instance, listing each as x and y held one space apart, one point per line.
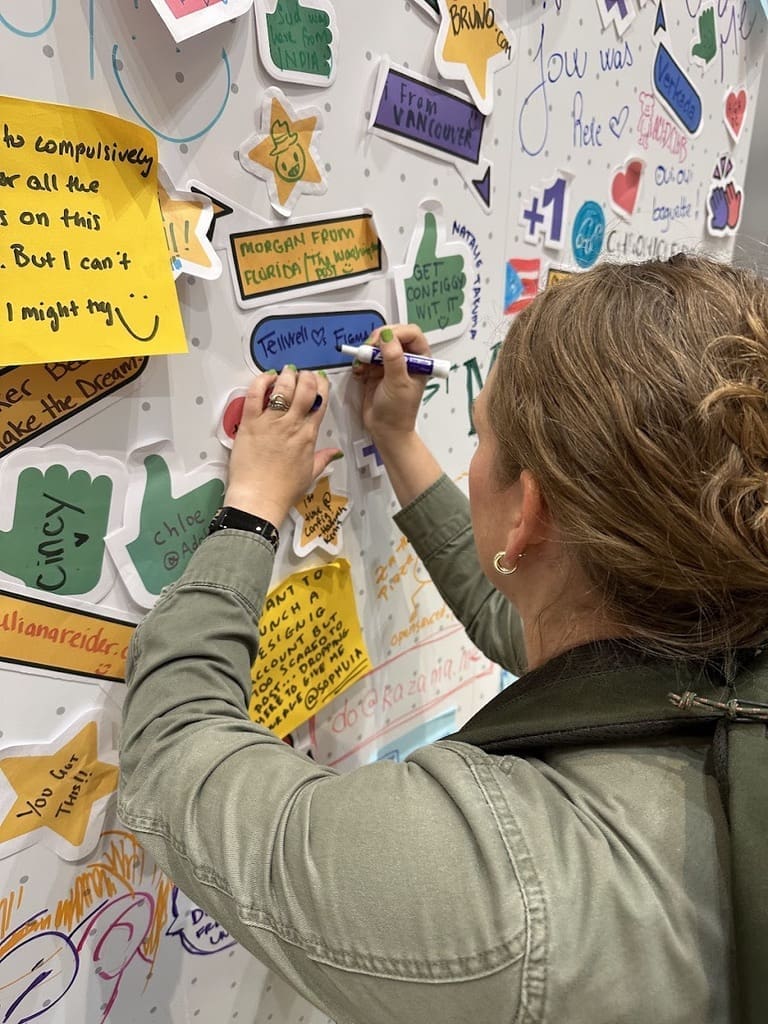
391 395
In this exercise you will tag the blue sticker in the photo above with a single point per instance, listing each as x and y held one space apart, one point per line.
309 339
676 90
588 233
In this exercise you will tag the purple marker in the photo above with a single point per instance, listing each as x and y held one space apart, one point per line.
415 364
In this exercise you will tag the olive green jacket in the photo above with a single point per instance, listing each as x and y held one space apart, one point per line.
578 886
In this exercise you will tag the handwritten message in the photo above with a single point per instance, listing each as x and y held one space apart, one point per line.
430 287
83 262
318 518
676 91
61 516
33 399
415 112
38 634
185 18
308 338
472 44
162 531
304 257
311 647
56 787
297 40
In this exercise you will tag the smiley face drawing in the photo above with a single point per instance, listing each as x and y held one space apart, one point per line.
131 331
282 153
290 159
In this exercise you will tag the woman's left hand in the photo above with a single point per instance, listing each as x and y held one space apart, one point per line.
274 461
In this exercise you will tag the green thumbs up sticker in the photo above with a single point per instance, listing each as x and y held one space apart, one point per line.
64 508
297 40
167 517
431 286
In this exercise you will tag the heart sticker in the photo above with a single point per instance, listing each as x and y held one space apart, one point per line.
735 110
625 187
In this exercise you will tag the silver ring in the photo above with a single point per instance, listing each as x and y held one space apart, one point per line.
278 402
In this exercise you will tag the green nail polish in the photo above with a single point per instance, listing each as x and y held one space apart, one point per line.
386 334
290 366
272 372
322 373
338 455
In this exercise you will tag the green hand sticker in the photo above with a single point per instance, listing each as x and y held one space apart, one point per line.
434 292
706 48
56 542
170 529
299 39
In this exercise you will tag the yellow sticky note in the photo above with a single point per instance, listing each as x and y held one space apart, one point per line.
311 647
84 268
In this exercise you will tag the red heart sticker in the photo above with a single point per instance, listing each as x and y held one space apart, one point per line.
625 188
735 109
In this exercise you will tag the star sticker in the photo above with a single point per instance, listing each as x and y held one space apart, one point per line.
318 518
187 217
56 792
471 45
282 153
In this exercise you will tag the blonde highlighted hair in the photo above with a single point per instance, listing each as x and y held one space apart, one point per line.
637 395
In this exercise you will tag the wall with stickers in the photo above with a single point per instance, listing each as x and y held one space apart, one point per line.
320 170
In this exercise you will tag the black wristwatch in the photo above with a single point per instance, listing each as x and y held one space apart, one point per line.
228 518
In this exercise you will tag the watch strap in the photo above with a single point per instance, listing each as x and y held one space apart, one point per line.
229 518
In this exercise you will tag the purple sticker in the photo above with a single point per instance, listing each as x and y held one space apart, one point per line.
420 112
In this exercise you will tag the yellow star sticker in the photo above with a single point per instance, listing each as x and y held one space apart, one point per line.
57 790
282 153
186 217
471 45
318 519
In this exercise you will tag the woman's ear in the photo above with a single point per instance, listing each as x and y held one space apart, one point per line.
532 522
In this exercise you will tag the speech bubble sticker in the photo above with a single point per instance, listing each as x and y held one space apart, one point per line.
43 636
187 217
431 285
318 517
676 91
414 111
282 154
57 792
619 13
298 40
625 187
38 399
305 257
546 214
307 657
84 265
196 930
187 18
724 201
734 111
307 335
472 44
166 518
52 536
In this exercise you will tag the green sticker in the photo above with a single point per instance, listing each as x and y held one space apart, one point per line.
170 529
300 38
434 293
56 542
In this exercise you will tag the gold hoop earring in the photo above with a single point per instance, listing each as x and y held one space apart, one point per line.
503 569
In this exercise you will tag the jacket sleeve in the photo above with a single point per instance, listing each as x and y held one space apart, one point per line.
438 525
348 885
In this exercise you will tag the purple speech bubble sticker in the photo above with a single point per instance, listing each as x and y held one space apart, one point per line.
416 111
